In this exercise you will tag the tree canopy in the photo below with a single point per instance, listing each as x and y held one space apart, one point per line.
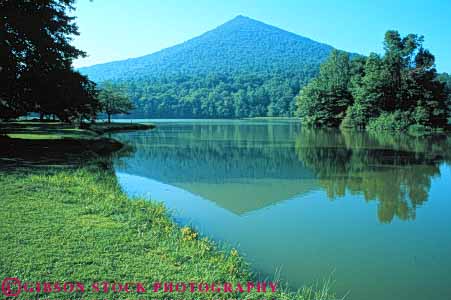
36 61
113 101
398 90
215 95
325 99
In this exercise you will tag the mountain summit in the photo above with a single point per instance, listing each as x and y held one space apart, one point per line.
241 44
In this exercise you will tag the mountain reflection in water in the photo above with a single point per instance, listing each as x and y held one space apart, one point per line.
245 167
373 209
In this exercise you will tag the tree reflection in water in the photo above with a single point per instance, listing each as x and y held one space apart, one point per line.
246 166
393 169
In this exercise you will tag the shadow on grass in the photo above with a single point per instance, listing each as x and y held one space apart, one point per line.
63 152
63 129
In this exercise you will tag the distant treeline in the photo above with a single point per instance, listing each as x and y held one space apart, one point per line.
233 95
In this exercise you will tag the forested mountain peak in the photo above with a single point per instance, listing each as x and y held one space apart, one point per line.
242 24
242 68
241 44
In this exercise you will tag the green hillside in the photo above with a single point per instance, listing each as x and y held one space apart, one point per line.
239 69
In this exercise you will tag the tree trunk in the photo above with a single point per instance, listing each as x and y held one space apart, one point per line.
41 116
109 118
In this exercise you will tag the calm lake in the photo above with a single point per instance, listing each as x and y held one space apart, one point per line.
371 211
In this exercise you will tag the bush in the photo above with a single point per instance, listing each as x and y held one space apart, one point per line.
396 121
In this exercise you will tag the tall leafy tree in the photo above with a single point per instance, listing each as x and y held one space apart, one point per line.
36 58
114 101
324 100
370 92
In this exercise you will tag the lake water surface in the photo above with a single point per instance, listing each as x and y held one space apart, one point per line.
372 211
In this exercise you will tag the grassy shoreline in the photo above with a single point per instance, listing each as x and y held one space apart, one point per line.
56 130
75 224
57 144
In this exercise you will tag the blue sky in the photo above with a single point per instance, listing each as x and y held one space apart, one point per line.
117 29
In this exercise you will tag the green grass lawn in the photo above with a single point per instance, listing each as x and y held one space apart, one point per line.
70 222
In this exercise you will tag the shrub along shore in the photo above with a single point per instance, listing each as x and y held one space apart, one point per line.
64 218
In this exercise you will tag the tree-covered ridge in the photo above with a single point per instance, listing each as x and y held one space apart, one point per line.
399 90
216 95
242 44
243 68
